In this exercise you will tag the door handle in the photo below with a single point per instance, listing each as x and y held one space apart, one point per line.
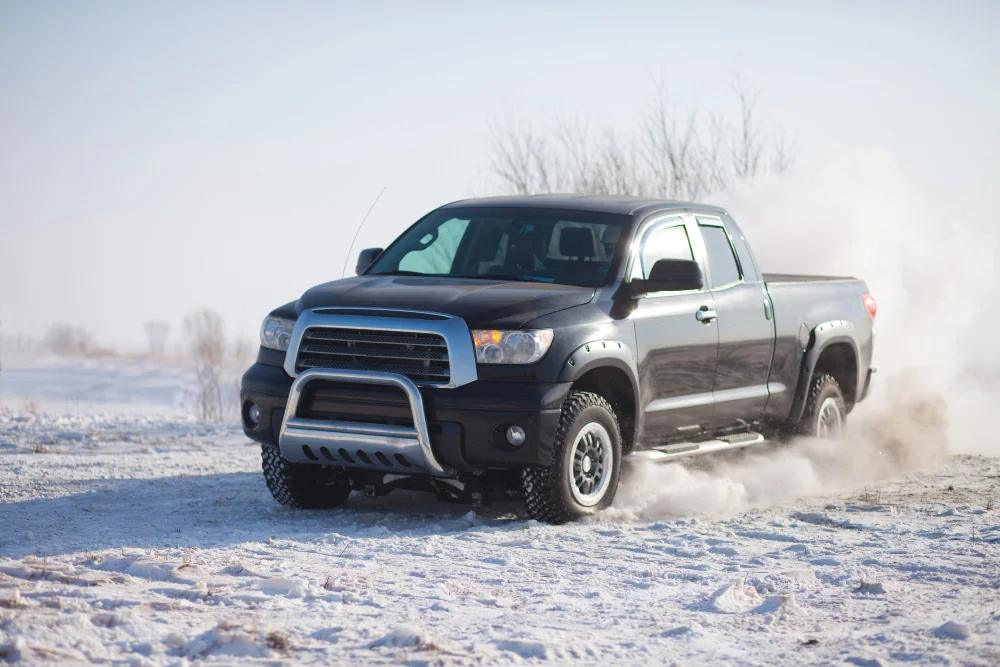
705 315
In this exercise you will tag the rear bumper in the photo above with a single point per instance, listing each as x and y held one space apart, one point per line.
868 383
466 424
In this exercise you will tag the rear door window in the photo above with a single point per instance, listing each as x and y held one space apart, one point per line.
723 267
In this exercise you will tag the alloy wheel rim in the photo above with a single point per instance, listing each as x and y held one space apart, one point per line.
591 464
830 420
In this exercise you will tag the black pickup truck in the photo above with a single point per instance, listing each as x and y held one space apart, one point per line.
525 345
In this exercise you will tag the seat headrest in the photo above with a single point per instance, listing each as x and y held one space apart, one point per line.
576 242
611 234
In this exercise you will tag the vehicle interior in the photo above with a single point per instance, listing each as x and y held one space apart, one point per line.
570 252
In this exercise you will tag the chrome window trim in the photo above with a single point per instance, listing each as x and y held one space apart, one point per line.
658 295
666 220
461 353
715 221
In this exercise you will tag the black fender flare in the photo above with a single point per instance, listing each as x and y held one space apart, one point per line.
601 354
821 337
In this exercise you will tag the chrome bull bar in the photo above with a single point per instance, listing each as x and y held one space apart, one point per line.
399 449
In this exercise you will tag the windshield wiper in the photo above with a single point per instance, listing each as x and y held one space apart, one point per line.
398 272
503 276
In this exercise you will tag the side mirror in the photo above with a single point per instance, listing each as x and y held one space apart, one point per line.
671 275
365 259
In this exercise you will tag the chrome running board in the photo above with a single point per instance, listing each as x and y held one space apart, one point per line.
682 450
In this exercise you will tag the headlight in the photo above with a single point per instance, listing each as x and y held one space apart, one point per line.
276 333
511 347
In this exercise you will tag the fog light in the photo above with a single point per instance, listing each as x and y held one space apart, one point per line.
253 414
515 435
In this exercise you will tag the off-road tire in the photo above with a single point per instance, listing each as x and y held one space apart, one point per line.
547 493
822 389
302 485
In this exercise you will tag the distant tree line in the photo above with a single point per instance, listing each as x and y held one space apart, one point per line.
204 344
664 154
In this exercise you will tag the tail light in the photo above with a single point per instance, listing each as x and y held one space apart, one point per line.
870 305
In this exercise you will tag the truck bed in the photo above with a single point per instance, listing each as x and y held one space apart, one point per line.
801 303
800 278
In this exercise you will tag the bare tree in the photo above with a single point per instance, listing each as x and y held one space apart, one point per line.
206 337
673 149
520 159
242 350
781 153
664 154
749 147
68 340
157 332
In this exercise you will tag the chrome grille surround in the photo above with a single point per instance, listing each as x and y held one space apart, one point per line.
418 356
442 345
399 449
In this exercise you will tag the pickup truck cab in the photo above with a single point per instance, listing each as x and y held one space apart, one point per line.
526 345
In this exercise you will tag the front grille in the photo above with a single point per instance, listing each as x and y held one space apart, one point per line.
422 357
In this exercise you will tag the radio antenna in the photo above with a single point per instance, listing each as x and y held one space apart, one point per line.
354 240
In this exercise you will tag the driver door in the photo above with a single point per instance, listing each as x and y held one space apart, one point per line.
677 340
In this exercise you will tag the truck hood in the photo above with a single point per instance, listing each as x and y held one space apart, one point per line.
481 303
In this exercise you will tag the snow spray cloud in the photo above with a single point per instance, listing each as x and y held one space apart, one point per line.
934 279
932 274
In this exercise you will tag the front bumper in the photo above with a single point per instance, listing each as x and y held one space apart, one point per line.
465 424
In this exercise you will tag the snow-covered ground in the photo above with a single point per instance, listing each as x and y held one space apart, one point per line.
83 386
115 385
141 539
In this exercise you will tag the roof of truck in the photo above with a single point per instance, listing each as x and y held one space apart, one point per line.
620 204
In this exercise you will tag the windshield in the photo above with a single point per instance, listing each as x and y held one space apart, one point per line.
564 247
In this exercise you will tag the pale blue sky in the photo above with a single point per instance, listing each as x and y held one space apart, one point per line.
159 157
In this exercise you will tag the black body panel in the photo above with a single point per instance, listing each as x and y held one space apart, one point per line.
677 361
746 343
481 303
810 318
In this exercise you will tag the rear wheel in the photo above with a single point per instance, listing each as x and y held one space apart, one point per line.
825 415
586 463
302 485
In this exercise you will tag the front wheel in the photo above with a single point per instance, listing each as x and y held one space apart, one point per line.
586 463
303 485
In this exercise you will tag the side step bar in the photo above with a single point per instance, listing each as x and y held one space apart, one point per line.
682 450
